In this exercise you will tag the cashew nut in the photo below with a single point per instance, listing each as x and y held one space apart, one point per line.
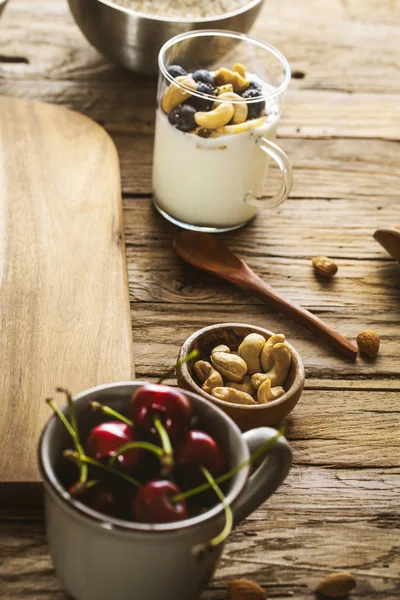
224 76
241 127
282 358
266 393
240 114
243 386
218 117
221 348
239 68
231 395
209 377
202 370
266 356
213 380
174 94
230 366
222 89
250 350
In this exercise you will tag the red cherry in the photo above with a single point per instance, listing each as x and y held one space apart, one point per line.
152 503
169 403
198 448
105 439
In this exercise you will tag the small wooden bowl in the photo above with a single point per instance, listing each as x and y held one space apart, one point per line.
232 334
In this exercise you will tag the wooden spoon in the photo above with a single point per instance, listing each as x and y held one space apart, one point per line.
205 252
389 238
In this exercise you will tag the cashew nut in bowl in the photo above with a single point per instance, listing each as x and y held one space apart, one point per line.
230 366
224 76
213 380
266 393
209 377
243 386
240 107
266 359
250 350
175 95
222 89
239 68
231 395
202 370
241 127
218 117
221 348
278 373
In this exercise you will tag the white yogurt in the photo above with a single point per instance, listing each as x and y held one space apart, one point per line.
204 182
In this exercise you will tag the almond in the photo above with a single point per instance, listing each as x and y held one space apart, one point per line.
324 266
336 585
368 342
244 589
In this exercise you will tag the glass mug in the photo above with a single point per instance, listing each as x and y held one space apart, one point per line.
210 177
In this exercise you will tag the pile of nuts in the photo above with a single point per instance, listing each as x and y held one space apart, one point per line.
255 374
224 106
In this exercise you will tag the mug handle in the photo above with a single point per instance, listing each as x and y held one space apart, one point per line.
268 476
280 157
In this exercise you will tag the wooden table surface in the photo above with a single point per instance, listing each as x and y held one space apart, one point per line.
339 509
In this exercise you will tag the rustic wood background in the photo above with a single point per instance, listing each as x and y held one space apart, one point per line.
340 506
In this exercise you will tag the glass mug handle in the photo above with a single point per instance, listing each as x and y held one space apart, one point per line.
279 156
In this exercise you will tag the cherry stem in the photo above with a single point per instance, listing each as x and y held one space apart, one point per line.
171 371
107 410
74 423
206 486
131 446
73 434
228 511
81 487
162 432
74 457
167 460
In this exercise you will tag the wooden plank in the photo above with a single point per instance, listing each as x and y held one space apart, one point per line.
168 325
332 56
307 114
350 169
169 281
279 546
64 304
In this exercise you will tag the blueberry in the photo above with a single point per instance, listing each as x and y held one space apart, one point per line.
204 76
182 117
176 71
202 104
255 109
254 85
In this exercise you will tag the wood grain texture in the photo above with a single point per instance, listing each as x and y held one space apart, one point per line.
64 308
340 506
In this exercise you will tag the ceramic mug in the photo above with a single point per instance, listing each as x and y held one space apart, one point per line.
96 556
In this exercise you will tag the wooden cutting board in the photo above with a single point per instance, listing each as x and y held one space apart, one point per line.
64 305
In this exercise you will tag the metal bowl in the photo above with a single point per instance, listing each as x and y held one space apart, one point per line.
134 39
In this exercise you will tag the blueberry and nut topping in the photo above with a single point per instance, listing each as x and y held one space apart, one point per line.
204 76
218 109
182 117
176 71
255 108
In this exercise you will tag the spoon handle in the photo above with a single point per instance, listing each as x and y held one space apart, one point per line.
257 287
